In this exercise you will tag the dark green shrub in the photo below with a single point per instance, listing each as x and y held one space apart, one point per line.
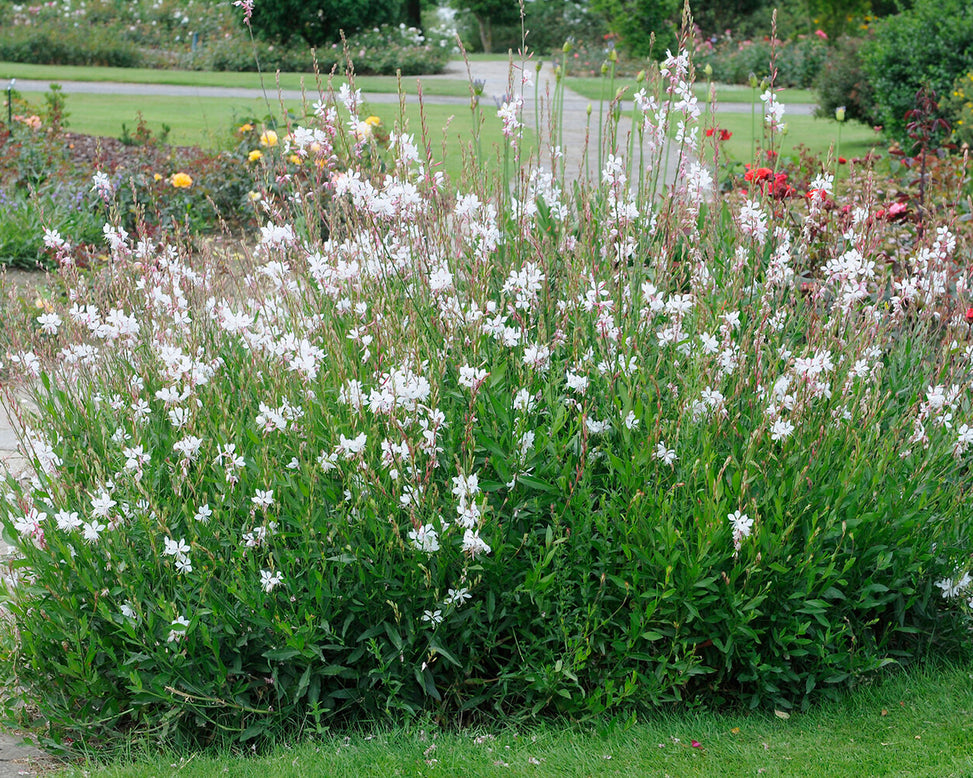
842 82
236 53
320 22
69 45
637 21
929 46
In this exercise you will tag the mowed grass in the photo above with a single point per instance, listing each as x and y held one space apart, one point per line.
602 88
817 134
918 723
436 85
211 122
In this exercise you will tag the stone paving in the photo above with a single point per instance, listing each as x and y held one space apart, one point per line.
16 757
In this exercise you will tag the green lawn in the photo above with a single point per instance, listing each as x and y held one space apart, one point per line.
819 135
914 724
210 122
725 93
379 84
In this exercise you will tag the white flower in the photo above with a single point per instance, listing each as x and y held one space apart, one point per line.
178 629
203 512
524 401
263 499
67 521
432 617
425 539
473 544
596 427
102 184
177 548
472 377
351 447
951 588
577 383
537 356
270 581
188 447
630 421
465 486
781 429
92 530
456 597
666 455
742 526
49 323
102 504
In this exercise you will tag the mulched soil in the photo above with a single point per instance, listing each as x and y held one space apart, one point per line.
108 154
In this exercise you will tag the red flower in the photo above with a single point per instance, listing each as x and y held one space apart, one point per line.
725 134
969 315
709 132
757 174
842 161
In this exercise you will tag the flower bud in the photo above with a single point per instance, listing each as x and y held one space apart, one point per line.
708 70
839 113
566 48
640 77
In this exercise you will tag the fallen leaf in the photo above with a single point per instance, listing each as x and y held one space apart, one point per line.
696 744
735 731
885 712
781 714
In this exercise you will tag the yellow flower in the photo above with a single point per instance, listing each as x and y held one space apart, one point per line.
268 138
254 155
245 128
253 196
294 159
157 177
373 120
181 181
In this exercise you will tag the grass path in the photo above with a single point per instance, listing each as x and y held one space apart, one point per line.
913 724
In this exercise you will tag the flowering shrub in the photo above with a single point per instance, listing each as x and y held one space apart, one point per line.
201 36
498 449
101 32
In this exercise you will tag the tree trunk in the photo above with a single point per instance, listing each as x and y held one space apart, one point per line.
486 34
413 13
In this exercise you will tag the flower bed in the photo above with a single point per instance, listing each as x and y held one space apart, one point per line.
491 450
